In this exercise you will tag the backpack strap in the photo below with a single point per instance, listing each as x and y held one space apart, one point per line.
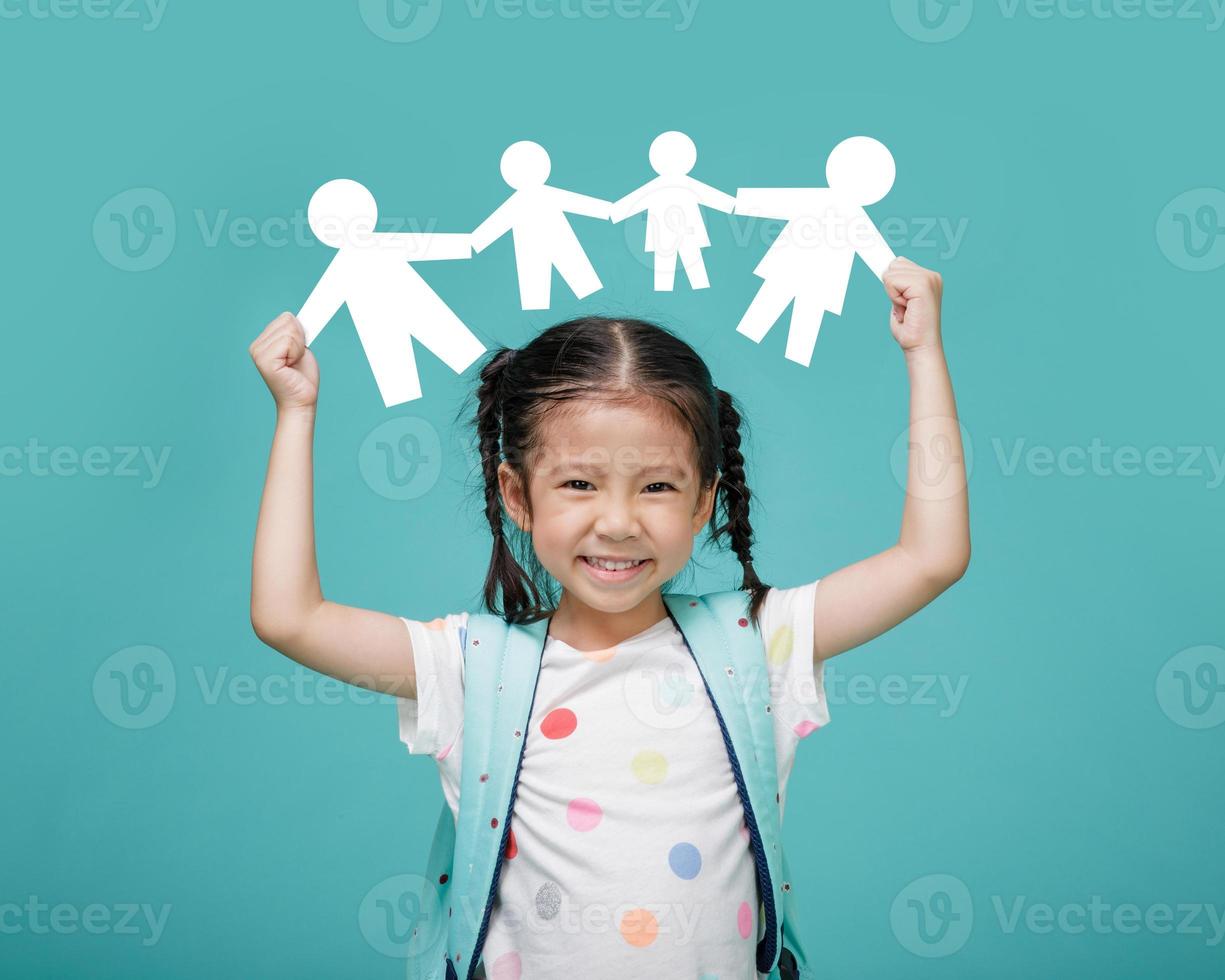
501 668
729 652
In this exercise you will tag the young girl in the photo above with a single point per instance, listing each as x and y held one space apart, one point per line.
605 448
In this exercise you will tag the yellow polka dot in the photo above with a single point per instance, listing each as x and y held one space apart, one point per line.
649 766
436 624
781 645
639 927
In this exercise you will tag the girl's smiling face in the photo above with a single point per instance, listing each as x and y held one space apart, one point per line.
612 481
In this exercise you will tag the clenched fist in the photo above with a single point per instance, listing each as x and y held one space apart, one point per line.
286 364
915 293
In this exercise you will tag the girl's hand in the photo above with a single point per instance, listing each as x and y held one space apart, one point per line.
286 364
915 293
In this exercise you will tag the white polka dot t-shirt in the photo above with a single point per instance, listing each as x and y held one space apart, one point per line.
628 854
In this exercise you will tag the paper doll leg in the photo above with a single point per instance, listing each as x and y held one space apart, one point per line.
665 271
695 268
389 349
576 269
535 283
806 317
766 308
447 336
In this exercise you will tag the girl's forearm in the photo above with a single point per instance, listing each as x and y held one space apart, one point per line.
935 519
284 576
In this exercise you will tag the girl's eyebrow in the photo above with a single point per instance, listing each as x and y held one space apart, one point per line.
663 469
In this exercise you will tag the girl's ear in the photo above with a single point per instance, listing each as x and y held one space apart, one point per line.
706 506
512 495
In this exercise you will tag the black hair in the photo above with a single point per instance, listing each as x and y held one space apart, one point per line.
617 360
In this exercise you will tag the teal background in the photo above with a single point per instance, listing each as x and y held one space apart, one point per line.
1073 312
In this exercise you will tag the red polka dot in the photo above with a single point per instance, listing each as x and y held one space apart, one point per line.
742 621
511 847
493 822
805 728
558 723
442 879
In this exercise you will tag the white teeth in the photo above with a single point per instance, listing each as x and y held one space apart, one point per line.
612 566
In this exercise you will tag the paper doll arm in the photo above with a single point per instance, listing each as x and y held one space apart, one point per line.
323 302
712 197
872 247
574 203
494 227
632 203
768 202
430 246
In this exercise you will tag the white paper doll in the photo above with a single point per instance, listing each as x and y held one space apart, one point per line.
673 203
809 264
389 302
535 214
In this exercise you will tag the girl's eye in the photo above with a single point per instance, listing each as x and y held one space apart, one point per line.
570 484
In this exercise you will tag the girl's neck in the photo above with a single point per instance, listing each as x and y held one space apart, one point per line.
585 628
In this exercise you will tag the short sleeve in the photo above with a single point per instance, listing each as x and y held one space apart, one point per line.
797 685
431 723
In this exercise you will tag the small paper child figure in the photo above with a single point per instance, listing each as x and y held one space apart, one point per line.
536 216
673 202
810 261
389 302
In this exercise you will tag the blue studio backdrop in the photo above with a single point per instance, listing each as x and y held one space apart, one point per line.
1024 779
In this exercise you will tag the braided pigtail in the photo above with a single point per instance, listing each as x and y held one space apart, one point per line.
504 572
735 495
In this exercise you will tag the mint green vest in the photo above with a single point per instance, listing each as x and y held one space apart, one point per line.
501 668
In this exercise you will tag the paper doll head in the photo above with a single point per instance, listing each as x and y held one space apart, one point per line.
861 170
672 154
525 164
342 212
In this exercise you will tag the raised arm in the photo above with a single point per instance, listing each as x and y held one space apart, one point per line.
771 202
288 612
863 600
495 226
592 207
871 245
712 197
323 302
430 246
633 202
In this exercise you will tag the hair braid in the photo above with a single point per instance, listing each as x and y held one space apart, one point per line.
735 495
504 569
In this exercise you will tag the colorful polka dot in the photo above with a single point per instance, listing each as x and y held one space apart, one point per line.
649 766
781 644
685 860
805 728
558 723
436 624
508 966
639 927
511 847
445 752
744 920
742 621
584 814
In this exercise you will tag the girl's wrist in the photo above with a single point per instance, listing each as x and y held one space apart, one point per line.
920 353
295 414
